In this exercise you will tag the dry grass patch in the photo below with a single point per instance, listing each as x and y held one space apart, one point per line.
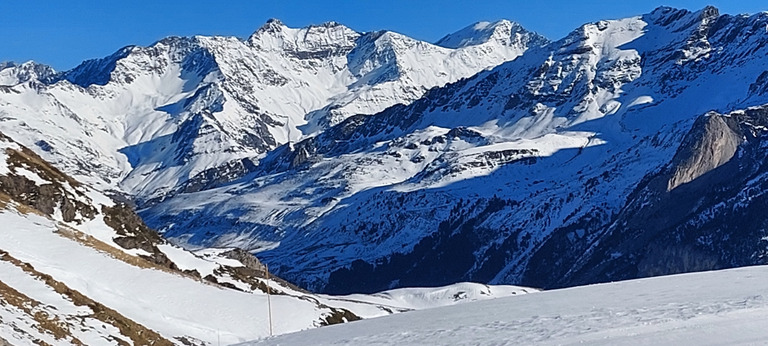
26 157
139 334
26 210
98 245
6 201
46 323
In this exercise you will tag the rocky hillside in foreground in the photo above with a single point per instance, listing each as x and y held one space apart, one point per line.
78 267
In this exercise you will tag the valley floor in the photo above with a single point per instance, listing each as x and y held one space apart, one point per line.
711 308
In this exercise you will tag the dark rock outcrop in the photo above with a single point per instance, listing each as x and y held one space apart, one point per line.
58 193
703 212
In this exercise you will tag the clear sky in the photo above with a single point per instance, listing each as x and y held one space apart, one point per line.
62 33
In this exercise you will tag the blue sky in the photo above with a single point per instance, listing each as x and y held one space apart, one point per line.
62 33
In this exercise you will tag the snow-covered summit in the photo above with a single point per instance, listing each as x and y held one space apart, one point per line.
323 40
502 31
13 74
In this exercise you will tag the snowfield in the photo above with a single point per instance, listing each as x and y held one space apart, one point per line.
712 308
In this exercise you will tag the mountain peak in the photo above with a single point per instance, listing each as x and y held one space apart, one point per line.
271 26
710 11
273 23
6 64
96 71
329 24
12 73
665 15
327 37
503 31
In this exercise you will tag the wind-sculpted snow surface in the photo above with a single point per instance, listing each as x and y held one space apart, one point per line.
714 308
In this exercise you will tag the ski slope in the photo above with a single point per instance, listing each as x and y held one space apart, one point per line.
709 308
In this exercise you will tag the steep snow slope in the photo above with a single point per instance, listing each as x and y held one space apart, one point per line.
189 112
79 268
495 177
714 308
702 211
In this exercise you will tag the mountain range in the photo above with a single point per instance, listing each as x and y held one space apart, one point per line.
359 162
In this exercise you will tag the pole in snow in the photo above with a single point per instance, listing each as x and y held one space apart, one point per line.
269 301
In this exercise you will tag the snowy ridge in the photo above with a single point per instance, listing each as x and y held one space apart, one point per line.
12 74
502 31
188 112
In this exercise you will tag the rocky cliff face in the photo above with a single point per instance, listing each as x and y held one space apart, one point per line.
709 222
60 195
712 142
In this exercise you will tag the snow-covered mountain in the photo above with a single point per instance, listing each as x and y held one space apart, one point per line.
535 172
357 162
188 112
12 74
79 268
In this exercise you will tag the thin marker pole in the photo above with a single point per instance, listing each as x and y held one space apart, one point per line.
269 301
